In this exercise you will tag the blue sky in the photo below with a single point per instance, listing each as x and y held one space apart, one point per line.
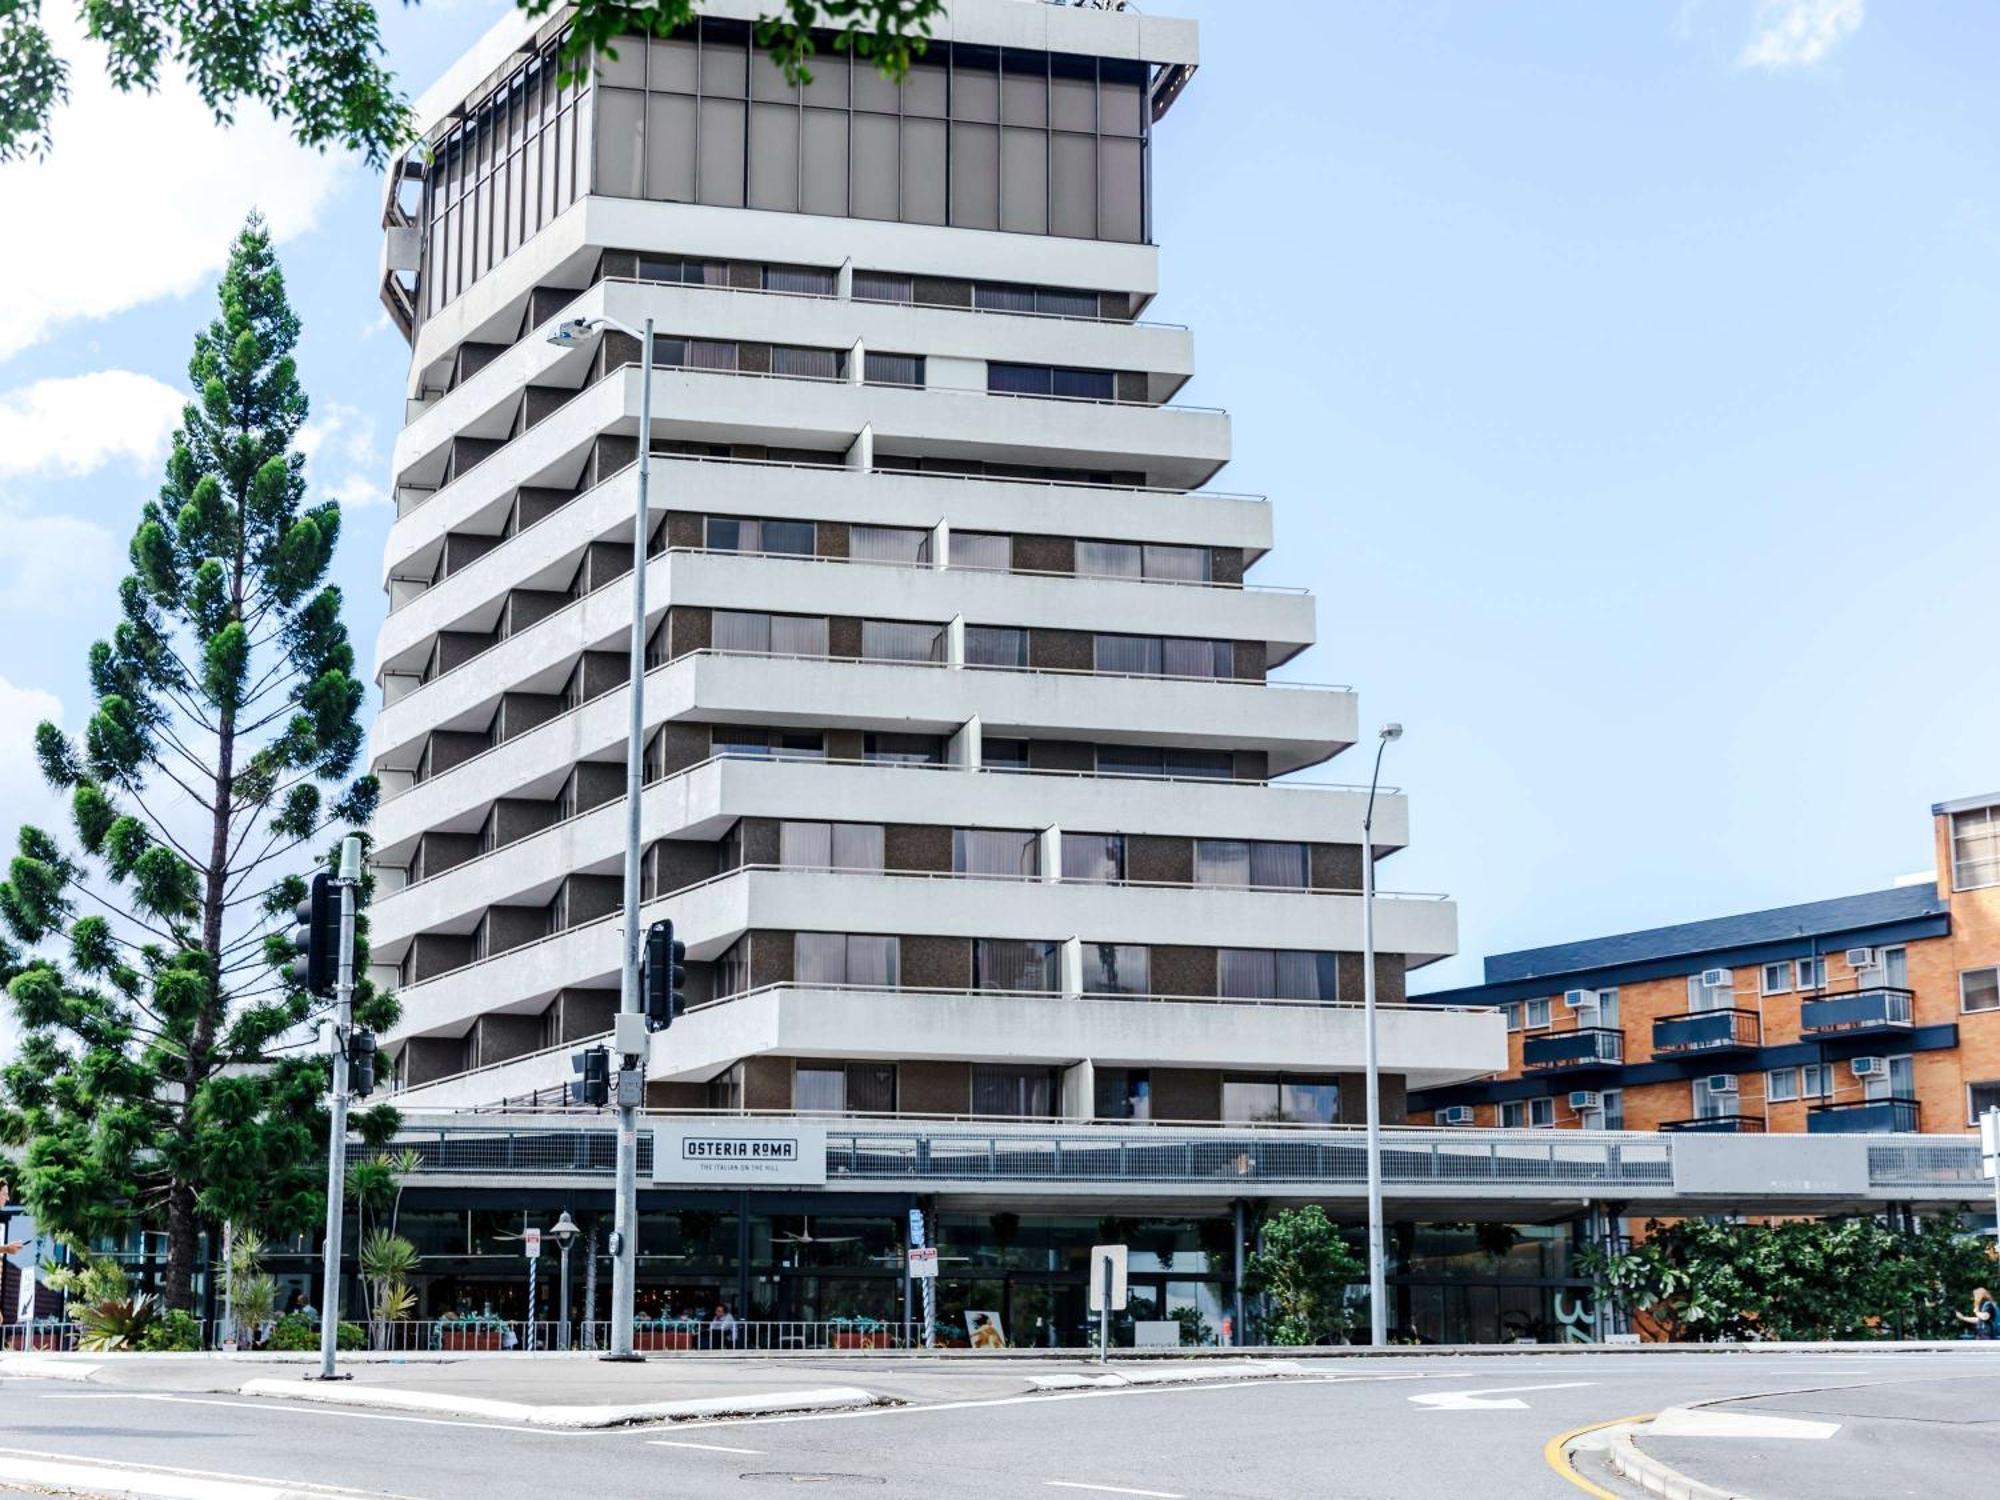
1625 377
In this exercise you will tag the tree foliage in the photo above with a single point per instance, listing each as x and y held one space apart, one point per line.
153 1082
318 65
1700 1280
1304 1267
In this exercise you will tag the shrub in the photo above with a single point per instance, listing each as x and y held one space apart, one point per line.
172 1332
297 1333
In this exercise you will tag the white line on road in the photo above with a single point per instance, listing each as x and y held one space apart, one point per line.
711 1447
1043 1398
1110 1489
1474 1400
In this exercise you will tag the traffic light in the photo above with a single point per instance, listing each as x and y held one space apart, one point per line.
663 974
361 1063
316 939
594 1089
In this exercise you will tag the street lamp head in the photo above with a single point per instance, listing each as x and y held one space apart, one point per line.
564 1229
569 332
1392 731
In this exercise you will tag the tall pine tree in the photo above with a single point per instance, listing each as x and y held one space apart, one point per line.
160 1077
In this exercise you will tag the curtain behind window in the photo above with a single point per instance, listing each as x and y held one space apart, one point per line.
1014 965
1006 852
889 544
897 640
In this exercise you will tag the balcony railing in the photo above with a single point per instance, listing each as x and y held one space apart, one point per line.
1863 1117
1707 1031
1859 1013
1001 1152
1718 1125
1587 1047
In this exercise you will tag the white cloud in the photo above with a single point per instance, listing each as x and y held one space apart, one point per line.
78 424
25 797
56 565
140 195
1798 33
341 457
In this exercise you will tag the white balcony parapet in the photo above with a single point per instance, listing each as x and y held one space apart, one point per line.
1431 1045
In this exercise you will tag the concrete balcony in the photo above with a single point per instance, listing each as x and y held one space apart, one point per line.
702 802
1280 620
1178 446
1296 726
711 916
786 491
1161 350
1427 1045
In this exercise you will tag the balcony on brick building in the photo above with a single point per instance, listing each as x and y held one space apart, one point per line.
1585 1049
1879 1010
1707 1031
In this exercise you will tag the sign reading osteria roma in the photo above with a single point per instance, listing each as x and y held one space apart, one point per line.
764 1153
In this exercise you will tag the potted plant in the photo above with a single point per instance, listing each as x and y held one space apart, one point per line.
467 1332
859 1333
952 1335
665 1332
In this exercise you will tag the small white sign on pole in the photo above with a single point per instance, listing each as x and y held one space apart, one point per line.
1107 1273
531 1244
923 1262
1989 1141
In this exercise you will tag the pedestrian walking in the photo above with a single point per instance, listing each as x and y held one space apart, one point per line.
1985 1315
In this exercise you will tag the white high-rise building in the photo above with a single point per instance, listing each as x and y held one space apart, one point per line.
970 785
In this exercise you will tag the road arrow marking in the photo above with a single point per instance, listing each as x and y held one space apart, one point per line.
1473 1400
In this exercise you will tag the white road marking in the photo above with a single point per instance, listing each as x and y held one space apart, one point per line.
1095 1394
711 1447
1679 1421
1110 1489
1475 1400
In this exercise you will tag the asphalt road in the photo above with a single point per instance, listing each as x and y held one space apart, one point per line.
1445 1426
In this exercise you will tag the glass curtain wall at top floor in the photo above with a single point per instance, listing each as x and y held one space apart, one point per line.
1027 142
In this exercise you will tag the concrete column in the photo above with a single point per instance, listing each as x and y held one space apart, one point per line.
843 284
963 749
1079 1090
1072 968
861 452
941 545
954 642
857 363
1052 855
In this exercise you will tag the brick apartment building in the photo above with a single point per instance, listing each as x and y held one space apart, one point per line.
1869 1013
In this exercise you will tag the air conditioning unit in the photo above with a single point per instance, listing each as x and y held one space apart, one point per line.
1455 1114
1720 1083
1863 958
1580 999
1582 1099
1718 979
1870 1067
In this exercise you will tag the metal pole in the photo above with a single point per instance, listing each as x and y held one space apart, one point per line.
336 1145
1236 1281
625 1218
563 1317
1378 1310
1990 1136
534 1264
1104 1316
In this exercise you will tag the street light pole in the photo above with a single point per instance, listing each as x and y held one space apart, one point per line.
336 1154
631 1090
565 1232
1378 1311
